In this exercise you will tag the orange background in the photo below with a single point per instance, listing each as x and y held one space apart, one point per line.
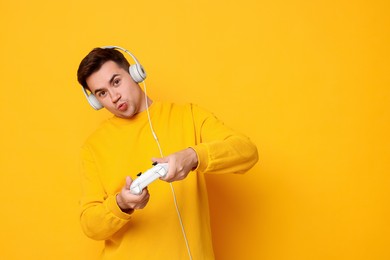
308 81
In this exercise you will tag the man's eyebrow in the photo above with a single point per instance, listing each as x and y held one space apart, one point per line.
110 81
112 78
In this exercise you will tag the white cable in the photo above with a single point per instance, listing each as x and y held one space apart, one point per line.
173 190
181 222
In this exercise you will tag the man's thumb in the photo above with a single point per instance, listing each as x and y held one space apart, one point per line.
128 182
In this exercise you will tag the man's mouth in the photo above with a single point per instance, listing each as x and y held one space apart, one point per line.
122 106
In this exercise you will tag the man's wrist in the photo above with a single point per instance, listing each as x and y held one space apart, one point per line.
202 158
194 159
123 206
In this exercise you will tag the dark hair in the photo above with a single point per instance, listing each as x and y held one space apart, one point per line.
95 60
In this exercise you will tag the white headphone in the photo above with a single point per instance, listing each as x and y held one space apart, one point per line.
136 71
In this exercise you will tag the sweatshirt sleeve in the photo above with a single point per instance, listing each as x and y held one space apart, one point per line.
219 148
100 215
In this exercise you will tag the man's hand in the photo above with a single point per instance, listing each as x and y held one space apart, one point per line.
128 201
179 164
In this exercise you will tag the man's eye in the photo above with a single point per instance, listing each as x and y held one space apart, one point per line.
102 93
116 82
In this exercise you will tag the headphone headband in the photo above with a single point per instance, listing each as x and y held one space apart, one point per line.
122 49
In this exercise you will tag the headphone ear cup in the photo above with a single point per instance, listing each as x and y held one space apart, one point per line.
137 72
92 100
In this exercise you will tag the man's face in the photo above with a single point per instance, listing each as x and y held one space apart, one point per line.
116 90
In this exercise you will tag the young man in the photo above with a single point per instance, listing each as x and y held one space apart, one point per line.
194 142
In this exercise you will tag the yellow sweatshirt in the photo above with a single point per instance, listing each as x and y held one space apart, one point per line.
124 147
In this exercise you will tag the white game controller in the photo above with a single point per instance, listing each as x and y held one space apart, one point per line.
157 171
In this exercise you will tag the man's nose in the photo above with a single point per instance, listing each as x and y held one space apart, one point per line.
115 96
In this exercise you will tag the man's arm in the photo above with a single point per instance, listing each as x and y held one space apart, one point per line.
219 149
102 215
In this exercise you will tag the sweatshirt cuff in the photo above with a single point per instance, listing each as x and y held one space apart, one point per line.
203 158
113 207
